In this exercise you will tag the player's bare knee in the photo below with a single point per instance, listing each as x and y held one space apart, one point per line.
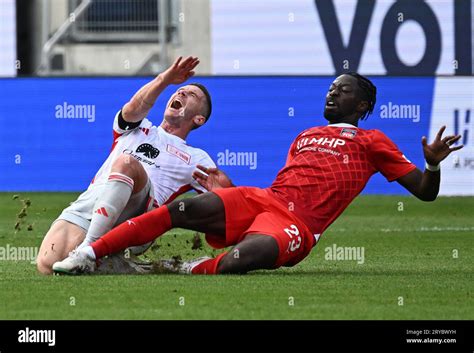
46 259
125 164
43 269
197 212
43 262
44 266
268 249
195 207
129 166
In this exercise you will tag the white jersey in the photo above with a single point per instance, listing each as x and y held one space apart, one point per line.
166 158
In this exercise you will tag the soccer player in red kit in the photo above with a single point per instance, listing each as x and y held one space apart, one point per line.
326 168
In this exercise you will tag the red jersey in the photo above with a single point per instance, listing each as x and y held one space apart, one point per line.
328 166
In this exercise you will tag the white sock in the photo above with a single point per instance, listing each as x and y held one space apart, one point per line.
89 251
109 206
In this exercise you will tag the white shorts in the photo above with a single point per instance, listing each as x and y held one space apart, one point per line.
80 211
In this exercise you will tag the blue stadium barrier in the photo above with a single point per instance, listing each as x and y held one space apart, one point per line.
42 151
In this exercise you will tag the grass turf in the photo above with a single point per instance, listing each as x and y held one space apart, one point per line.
416 254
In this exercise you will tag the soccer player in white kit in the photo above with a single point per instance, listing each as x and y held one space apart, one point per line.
148 165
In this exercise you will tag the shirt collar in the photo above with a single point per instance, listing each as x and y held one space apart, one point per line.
172 136
342 125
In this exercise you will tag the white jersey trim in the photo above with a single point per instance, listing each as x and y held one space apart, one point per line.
342 125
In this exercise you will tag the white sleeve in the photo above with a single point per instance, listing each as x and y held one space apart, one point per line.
145 123
207 162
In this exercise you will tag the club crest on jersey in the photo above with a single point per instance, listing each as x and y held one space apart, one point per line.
185 157
349 133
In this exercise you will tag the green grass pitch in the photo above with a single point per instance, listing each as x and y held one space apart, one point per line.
418 264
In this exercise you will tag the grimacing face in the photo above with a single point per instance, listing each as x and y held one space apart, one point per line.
184 104
342 99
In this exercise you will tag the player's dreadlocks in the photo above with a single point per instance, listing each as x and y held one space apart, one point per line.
369 91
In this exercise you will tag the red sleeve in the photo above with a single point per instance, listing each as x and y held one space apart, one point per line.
387 158
115 140
291 153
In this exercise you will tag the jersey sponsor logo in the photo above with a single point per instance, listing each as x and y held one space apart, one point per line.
350 133
322 141
185 157
148 150
139 158
320 149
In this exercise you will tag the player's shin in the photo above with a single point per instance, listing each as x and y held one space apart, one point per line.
136 231
109 206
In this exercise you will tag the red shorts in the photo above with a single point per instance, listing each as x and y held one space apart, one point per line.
250 210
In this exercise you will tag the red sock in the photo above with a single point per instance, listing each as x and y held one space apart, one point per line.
136 231
208 267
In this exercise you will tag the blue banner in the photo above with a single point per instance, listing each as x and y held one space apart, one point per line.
56 132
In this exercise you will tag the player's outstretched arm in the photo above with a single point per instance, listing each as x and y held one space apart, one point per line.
425 185
211 178
141 103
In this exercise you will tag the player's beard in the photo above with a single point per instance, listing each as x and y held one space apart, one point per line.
174 121
333 116
340 113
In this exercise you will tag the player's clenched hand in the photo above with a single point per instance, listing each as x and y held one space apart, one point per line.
211 178
180 71
440 148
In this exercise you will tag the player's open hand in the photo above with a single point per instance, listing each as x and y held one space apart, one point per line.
180 71
211 178
440 148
